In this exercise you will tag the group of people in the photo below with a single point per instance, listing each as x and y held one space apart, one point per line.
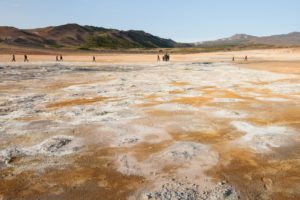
59 58
166 57
14 58
245 59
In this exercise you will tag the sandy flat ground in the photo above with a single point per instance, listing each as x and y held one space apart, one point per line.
291 54
128 127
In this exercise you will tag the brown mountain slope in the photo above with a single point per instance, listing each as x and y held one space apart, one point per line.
12 36
67 35
76 36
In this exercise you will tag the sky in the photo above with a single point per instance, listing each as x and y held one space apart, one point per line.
180 20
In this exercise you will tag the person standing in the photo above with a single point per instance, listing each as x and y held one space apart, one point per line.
26 58
61 58
246 58
167 57
233 59
13 58
94 59
158 58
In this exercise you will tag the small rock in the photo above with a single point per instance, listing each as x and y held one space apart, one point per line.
149 196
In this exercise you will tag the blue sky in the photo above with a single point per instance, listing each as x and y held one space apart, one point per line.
181 20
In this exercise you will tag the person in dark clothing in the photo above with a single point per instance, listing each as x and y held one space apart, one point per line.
26 58
61 58
233 59
13 58
167 57
246 58
94 59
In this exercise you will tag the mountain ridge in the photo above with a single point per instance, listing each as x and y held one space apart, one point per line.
74 36
85 37
289 39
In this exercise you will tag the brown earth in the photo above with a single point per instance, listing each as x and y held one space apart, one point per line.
142 112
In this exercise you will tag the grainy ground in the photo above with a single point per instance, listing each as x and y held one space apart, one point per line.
179 130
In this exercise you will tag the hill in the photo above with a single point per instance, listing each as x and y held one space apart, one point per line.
244 40
82 37
74 36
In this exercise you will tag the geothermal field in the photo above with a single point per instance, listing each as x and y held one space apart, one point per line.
198 127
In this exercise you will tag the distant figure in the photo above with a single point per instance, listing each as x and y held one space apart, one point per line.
233 59
94 59
158 58
13 58
57 58
26 58
246 58
61 58
166 57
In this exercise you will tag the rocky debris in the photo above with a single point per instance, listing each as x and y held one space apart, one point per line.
31 71
182 152
17 106
5 111
222 191
102 113
129 141
55 146
175 190
8 155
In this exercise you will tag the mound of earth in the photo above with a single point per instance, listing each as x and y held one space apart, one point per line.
54 146
175 190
